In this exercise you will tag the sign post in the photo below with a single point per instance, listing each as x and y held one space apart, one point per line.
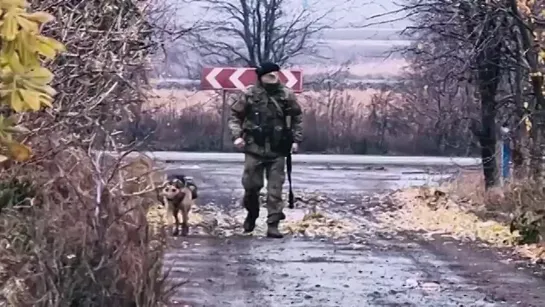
223 117
228 79
503 154
506 160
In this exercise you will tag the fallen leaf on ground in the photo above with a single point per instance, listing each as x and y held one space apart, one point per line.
434 213
298 222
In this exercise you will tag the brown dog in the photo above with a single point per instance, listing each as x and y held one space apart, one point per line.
179 195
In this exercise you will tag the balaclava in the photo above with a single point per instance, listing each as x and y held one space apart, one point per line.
264 70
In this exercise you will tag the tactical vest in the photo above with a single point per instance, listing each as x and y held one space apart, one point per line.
265 122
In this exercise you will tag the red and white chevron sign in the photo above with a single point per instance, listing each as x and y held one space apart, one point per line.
233 78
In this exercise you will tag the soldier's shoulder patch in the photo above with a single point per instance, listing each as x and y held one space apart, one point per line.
288 93
239 101
287 90
252 93
250 90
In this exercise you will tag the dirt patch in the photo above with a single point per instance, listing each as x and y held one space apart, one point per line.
433 214
498 273
315 216
299 222
448 228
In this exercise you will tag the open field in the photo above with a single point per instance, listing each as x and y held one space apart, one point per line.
180 99
380 67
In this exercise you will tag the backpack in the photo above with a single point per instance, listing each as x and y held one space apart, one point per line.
188 182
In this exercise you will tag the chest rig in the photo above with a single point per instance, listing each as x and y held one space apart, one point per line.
268 119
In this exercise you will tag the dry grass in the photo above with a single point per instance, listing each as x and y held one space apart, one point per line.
177 99
512 215
337 121
73 228
180 100
66 243
334 122
499 203
469 185
434 212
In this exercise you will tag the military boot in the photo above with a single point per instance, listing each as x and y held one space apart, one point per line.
251 203
249 223
273 231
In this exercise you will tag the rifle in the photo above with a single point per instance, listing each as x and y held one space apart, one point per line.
291 197
289 143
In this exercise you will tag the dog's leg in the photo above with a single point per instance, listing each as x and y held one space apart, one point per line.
186 207
163 200
176 230
169 207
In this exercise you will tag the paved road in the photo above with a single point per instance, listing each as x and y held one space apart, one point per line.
364 270
225 177
251 272
176 156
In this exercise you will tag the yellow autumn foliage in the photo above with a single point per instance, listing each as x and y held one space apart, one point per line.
24 82
531 11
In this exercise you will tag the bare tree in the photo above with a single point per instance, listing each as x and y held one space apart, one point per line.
471 41
170 56
164 32
530 26
248 32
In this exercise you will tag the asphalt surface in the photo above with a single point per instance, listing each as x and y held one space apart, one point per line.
219 179
212 157
362 270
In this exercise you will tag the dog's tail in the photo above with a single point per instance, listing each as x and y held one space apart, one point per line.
194 190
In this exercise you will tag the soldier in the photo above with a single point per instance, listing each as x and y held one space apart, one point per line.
265 122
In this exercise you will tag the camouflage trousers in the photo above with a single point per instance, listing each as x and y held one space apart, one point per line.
255 168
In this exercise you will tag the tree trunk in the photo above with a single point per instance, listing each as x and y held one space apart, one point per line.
487 139
538 130
521 155
538 118
488 76
488 73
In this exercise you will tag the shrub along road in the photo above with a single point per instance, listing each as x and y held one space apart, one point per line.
366 268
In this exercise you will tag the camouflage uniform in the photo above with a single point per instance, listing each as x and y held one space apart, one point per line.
258 116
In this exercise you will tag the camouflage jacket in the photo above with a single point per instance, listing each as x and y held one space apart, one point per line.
259 118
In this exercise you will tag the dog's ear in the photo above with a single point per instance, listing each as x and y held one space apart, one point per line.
180 178
179 184
176 176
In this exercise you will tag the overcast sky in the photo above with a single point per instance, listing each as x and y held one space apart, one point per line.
345 13
354 35
362 12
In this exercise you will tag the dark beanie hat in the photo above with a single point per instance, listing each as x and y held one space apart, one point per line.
265 68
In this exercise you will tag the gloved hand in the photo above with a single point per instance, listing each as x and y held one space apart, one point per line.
239 143
294 148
